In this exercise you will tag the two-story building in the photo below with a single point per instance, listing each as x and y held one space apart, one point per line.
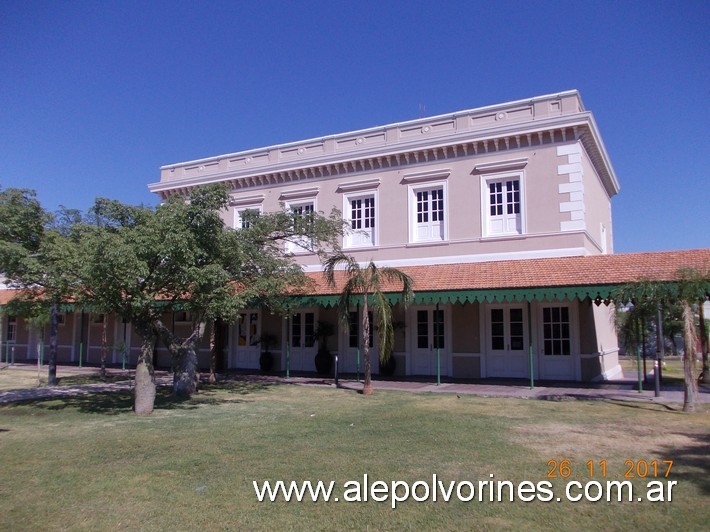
518 181
501 215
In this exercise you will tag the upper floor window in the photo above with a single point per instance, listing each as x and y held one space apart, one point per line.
428 213
503 205
303 213
362 214
243 216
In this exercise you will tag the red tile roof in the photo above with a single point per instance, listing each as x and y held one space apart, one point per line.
593 270
538 273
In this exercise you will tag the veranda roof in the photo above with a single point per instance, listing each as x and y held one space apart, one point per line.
530 279
548 279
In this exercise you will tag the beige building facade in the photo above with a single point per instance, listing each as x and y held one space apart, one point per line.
522 180
501 214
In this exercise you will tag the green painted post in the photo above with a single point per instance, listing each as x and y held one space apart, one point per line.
123 349
638 363
530 349
640 372
438 345
357 360
81 339
288 347
41 353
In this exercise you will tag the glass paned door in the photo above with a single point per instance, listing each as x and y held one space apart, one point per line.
429 337
507 342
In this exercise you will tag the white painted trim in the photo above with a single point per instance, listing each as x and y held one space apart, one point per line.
498 166
574 187
610 374
429 175
486 179
478 257
246 200
299 193
245 207
362 132
364 185
412 209
347 211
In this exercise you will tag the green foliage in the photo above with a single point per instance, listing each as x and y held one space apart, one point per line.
369 283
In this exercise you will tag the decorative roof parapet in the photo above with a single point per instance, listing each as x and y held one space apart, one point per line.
524 123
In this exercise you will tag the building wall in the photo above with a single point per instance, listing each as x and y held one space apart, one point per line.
543 233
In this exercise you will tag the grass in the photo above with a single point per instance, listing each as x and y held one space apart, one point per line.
673 374
21 377
87 463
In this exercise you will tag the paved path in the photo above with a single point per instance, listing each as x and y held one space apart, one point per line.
622 390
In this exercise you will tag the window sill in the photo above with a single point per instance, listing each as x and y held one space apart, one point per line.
427 243
504 236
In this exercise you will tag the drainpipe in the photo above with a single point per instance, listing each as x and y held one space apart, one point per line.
438 345
530 348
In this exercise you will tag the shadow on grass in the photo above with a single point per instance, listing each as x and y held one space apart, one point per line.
695 457
651 407
79 380
121 402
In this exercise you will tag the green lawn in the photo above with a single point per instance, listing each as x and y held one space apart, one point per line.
88 463
673 374
18 378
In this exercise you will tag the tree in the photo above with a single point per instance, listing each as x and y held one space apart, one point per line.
691 287
146 262
39 256
370 283
123 272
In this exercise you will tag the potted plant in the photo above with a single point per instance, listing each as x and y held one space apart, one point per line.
388 368
323 359
266 359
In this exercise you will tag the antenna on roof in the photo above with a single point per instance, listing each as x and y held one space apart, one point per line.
422 110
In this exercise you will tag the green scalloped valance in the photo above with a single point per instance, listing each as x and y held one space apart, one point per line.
496 295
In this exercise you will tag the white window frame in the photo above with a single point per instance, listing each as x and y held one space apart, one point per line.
238 222
244 203
362 237
414 224
295 247
505 218
11 332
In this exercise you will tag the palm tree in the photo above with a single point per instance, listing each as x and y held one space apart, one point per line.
370 282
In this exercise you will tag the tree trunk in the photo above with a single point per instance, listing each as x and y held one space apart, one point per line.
104 346
691 379
213 353
144 392
53 324
367 388
186 377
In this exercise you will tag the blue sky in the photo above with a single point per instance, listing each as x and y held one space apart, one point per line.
96 96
